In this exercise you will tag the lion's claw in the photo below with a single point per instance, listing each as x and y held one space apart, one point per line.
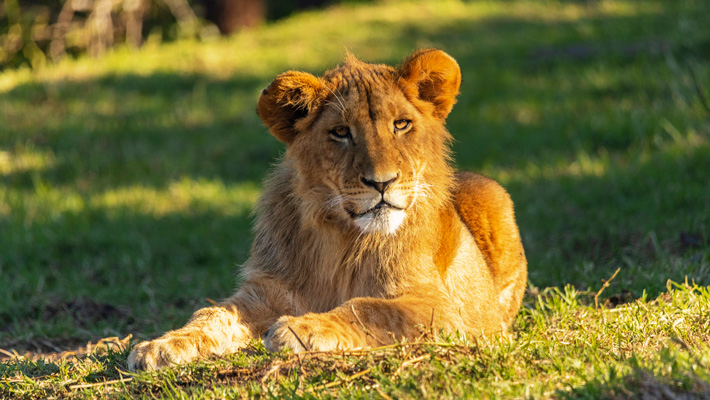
161 353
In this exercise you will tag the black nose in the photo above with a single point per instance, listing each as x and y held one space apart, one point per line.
379 186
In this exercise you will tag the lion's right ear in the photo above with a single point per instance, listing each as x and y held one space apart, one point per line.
290 97
432 76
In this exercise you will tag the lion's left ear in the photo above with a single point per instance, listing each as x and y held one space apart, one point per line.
290 97
433 76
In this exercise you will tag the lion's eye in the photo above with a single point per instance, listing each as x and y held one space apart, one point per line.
340 133
402 125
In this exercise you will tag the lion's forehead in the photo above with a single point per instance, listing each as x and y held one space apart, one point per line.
361 77
366 91
355 72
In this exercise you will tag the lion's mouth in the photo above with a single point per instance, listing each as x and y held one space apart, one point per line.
382 206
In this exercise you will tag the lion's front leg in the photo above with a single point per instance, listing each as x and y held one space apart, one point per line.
218 330
210 331
360 322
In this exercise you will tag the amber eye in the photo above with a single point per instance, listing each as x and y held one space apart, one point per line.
340 133
402 125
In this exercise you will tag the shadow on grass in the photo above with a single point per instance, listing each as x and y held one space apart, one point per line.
89 274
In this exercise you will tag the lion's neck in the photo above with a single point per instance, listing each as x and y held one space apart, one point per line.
295 236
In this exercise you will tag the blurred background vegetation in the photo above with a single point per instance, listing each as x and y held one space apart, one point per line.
33 32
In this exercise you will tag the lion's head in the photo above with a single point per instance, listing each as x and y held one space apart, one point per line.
367 141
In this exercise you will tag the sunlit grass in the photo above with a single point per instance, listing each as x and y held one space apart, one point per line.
26 160
185 196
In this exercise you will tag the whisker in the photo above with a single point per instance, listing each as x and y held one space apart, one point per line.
336 106
342 105
334 201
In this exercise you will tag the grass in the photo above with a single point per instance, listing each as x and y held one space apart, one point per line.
126 185
563 348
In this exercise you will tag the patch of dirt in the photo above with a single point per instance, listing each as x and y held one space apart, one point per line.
84 311
692 240
619 299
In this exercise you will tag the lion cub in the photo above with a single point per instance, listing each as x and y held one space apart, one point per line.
365 233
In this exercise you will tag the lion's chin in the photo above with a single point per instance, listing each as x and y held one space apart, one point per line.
384 221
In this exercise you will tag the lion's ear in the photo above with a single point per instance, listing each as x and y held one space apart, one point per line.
290 97
433 76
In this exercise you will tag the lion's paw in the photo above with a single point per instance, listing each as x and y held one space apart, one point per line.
161 353
302 334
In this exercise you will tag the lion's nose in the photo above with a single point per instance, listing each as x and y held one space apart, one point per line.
380 183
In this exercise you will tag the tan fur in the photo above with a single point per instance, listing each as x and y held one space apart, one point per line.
364 230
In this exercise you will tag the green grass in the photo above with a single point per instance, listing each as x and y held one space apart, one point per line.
129 181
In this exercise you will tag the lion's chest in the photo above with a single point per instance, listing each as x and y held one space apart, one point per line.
335 281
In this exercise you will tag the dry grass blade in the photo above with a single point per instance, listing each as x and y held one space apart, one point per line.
340 381
12 380
299 339
357 317
275 368
411 361
9 354
381 393
105 383
604 286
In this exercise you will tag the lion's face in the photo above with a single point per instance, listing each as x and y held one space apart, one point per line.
367 140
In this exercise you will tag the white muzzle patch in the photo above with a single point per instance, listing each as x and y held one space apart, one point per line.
384 221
